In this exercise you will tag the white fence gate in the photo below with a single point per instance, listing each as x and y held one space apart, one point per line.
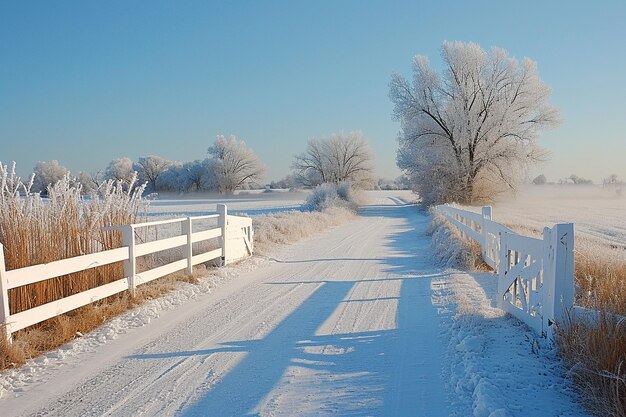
235 242
535 276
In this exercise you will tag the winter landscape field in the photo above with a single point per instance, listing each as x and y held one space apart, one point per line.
336 327
388 209
598 212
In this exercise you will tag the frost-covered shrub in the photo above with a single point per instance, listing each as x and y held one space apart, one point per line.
332 195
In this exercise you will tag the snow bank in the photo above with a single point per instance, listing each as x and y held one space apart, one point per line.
498 366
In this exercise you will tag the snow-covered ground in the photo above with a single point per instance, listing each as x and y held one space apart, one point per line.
355 321
599 214
251 202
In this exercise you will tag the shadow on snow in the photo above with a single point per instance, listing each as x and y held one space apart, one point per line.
386 372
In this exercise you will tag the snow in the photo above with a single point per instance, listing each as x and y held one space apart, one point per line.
249 202
599 214
355 321
498 365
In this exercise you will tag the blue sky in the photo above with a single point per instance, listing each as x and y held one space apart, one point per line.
86 82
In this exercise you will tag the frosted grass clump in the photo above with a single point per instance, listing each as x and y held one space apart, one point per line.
36 230
332 195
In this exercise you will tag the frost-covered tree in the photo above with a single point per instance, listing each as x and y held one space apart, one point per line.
575 179
89 182
403 182
386 184
188 177
47 174
337 158
121 169
471 131
149 168
173 179
199 175
540 180
611 180
287 182
233 165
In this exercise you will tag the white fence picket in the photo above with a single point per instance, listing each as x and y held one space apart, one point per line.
535 276
239 237
32 274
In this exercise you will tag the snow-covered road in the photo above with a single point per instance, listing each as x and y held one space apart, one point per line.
357 321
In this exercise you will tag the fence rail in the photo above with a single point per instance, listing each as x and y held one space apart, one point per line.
234 234
535 276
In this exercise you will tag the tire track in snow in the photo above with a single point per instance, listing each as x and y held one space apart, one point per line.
341 323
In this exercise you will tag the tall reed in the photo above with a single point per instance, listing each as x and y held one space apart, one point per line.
35 229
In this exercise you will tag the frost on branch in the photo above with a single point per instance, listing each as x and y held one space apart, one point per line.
470 132
233 164
336 159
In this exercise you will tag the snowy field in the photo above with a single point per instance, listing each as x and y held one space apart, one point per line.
599 214
251 203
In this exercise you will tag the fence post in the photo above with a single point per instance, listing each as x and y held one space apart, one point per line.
251 237
130 265
4 293
222 222
504 264
548 282
561 279
483 230
187 229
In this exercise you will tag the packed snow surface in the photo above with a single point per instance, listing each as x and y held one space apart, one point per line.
355 321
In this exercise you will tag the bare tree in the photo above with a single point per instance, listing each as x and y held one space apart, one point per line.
199 175
149 168
47 174
336 159
121 169
472 131
89 181
233 164
611 180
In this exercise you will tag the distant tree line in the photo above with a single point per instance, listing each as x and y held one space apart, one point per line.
229 166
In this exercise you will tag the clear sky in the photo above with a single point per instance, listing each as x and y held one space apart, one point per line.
84 82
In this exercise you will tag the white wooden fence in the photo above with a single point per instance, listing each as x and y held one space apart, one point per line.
235 242
535 276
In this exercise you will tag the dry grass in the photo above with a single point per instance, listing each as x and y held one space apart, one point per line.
595 352
36 230
37 340
451 249
291 226
600 275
